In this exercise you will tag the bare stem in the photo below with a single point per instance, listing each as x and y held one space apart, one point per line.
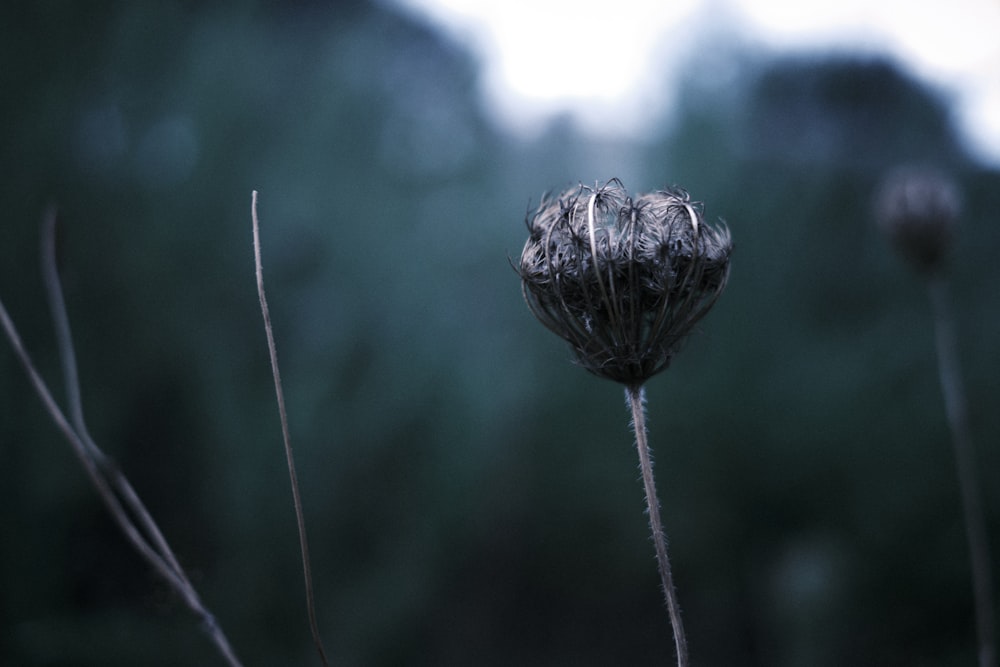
99 467
975 525
293 477
64 340
636 400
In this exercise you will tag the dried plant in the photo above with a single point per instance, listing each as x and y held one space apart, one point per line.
624 280
286 437
918 210
114 489
119 496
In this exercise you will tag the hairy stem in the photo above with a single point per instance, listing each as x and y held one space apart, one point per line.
636 400
293 477
975 524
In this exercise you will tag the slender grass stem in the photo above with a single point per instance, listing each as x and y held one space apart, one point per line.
635 394
107 466
108 480
293 477
957 412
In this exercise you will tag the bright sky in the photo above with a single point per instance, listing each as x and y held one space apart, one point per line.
547 57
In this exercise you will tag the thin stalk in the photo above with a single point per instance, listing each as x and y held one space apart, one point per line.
636 398
293 477
965 465
85 451
80 450
64 341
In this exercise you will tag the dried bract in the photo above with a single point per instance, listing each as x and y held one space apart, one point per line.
918 210
623 280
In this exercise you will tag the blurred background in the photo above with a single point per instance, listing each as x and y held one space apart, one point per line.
472 496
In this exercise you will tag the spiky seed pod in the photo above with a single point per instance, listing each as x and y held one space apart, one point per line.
918 209
623 280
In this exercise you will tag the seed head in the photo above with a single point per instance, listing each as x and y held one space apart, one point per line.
622 280
918 209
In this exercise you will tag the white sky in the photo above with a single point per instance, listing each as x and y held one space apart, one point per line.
605 60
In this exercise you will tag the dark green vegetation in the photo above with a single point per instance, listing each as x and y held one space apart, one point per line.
472 498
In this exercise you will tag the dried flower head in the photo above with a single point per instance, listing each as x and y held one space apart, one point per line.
918 208
623 280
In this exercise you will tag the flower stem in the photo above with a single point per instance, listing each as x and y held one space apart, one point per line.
635 394
975 525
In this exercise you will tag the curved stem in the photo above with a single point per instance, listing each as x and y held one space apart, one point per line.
636 399
71 378
965 465
591 226
108 480
293 477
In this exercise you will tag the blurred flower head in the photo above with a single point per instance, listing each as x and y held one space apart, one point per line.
918 209
623 280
